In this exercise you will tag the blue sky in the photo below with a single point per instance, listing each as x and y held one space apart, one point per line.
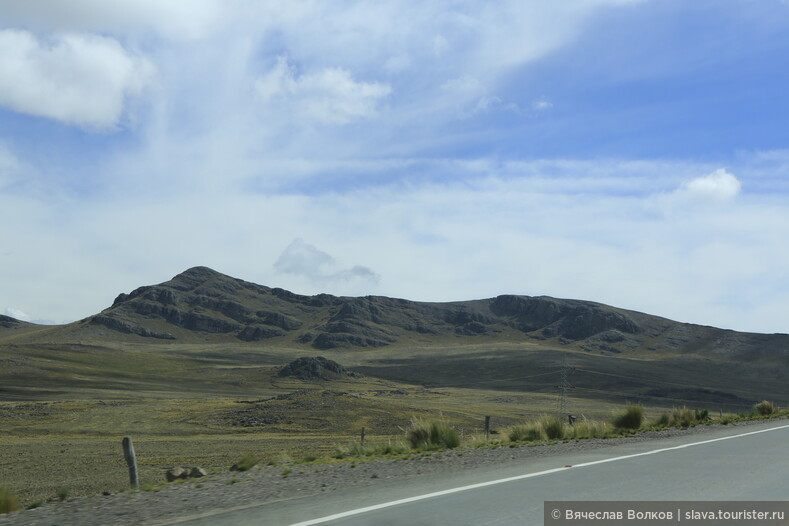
631 152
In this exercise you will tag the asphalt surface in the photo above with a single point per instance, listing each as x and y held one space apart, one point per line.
753 466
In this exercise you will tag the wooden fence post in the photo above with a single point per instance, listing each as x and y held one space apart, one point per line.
487 428
362 442
131 460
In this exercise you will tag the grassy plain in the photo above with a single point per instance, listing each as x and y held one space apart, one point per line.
64 408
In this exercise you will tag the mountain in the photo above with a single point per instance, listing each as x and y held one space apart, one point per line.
201 304
190 332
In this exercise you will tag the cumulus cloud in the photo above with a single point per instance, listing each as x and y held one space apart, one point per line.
303 259
18 314
188 20
329 96
542 104
718 187
74 78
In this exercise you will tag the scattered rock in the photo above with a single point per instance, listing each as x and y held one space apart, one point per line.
181 473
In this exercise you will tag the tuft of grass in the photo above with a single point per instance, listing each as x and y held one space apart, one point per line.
553 427
150 487
286 472
432 435
702 415
247 462
33 505
682 417
63 493
764 408
8 501
356 450
662 421
631 418
308 458
526 433
590 429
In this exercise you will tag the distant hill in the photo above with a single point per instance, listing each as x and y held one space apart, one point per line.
201 304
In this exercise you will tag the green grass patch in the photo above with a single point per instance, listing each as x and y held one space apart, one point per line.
8 501
663 420
247 462
428 436
764 408
585 428
532 432
682 417
63 493
553 426
631 418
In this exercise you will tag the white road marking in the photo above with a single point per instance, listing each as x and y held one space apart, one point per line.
383 505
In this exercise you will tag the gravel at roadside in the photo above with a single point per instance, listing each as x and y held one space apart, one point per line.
274 483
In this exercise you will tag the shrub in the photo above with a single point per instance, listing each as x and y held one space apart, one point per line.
247 462
682 417
702 415
63 493
8 501
631 418
444 435
526 432
764 408
553 426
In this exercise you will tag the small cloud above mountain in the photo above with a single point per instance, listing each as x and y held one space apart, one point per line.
303 259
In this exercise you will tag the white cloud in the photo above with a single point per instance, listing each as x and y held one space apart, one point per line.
329 96
76 79
303 259
718 187
18 314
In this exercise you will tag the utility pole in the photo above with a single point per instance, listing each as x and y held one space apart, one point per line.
564 387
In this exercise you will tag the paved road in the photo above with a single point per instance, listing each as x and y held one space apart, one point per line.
750 467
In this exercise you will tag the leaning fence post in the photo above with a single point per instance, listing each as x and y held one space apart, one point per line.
131 460
487 428
362 442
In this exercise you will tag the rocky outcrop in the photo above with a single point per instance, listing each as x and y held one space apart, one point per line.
574 320
314 368
122 326
253 333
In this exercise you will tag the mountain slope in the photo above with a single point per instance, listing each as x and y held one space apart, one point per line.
203 305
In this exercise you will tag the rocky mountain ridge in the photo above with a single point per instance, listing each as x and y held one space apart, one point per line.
201 304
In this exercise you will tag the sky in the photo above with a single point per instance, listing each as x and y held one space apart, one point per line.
629 152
